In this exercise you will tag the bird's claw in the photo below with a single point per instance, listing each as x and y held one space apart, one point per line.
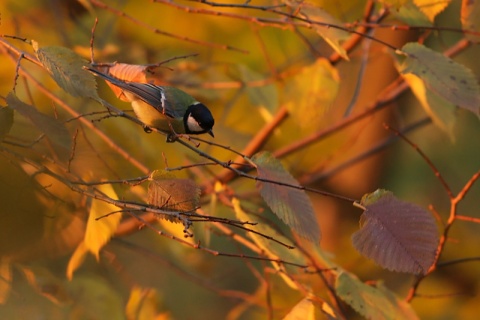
172 137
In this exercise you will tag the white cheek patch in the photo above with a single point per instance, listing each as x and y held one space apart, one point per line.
193 125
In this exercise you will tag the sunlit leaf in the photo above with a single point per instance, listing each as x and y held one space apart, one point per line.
270 248
46 283
6 121
173 194
291 205
312 92
432 8
143 304
55 131
76 259
470 21
5 279
329 311
396 4
372 302
95 298
442 112
398 235
447 78
304 310
99 232
313 13
66 68
412 15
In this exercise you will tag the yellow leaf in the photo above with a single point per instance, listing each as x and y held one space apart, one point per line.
271 250
397 4
99 231
312 92
5 279
442 112
323 23
304 310
431 8
76 259
469 16
143 304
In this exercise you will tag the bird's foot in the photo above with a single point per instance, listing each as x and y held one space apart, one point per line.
147 129
172 137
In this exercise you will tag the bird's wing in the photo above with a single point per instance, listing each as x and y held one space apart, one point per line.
152 95
149 93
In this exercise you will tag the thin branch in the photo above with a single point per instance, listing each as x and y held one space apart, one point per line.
92 39
142 24
226 165
457 261
427 160
467 218
373 150
74 113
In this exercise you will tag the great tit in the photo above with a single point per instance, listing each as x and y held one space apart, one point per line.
164 108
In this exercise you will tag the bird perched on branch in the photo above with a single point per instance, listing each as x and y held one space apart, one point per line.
167 109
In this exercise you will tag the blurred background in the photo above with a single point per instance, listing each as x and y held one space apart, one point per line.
247 64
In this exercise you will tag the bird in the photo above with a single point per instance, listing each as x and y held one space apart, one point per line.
165 108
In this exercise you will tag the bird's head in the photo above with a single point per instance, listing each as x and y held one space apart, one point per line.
198 119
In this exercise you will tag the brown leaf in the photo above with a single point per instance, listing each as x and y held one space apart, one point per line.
174 194
398 235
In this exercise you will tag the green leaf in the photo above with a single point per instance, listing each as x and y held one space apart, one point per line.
412 15
372 302
447 78
431 8
99 232
291 205
442 112
312 92
6 121
469 16
95 298
304 310
311 12
55 131
66 68
397 235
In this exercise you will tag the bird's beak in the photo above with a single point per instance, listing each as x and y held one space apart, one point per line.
210 132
